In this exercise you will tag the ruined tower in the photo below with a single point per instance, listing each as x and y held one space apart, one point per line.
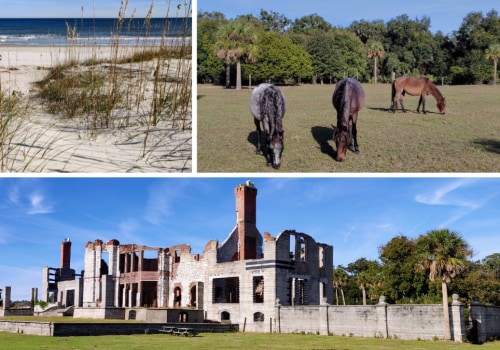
249 238
65 254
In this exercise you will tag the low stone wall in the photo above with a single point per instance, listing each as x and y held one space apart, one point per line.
381 320
32 328
116 313
84 329
16 312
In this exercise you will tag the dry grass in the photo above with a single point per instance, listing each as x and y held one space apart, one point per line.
142 89
465 139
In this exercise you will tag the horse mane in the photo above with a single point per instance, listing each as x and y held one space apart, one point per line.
344 105
435 91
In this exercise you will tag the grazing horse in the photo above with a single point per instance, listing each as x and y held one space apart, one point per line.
416 86
348 98
267 105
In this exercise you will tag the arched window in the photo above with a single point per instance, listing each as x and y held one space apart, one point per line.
258 317
225 316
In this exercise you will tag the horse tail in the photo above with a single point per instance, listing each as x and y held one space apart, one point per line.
273 109
393 92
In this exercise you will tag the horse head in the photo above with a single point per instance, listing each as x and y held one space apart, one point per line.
275 149
342 138
442 105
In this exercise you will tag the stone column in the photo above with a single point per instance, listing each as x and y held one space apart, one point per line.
6 298
382 328
324 326
457 321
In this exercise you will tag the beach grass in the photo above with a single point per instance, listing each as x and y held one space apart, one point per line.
464 140
142 91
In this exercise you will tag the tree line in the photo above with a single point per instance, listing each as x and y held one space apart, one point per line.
415 270
274 48
426 269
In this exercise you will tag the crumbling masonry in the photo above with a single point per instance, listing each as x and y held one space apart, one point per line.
240 280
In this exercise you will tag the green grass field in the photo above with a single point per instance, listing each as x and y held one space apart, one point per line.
465 139
225 341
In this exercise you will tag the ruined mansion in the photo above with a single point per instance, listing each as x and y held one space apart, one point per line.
240 280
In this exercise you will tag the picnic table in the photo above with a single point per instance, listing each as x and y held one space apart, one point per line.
178 331
167 329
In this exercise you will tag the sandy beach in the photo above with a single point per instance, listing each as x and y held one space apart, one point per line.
48 142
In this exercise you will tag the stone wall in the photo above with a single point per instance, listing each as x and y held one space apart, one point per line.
100 313
485 322
83 329
382 320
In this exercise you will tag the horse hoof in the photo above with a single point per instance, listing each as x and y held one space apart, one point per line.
258 151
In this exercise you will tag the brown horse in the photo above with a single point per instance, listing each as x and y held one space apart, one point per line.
414 87
348 98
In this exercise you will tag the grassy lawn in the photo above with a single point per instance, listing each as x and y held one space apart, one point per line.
465 139
224 341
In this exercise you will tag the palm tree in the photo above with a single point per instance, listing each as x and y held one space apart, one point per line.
340 279
363 282
493 53
444 255
375 51
236 42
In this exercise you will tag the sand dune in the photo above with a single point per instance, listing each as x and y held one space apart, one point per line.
43 142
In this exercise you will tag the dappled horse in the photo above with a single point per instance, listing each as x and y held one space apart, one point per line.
414 87
348 98
267 105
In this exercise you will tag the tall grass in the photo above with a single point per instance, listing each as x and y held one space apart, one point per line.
139 89
20 145
139 85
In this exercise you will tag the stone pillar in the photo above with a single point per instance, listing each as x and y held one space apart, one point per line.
6 298
124 295
477 315
45 283
324 326
34 296
382 328
457 321
129 303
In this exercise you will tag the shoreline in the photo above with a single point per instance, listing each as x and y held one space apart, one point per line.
49 143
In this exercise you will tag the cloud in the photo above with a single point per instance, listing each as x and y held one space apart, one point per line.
26 197
442 195
38 204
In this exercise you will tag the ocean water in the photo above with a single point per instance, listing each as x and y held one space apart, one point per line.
92 31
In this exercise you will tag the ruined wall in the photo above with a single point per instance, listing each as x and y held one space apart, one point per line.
188 271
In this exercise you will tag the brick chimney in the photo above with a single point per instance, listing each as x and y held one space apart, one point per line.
65 254
249 237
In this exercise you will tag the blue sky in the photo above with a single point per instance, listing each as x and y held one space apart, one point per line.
355 215
91 8
445 15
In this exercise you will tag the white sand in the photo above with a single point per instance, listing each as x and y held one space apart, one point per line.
48 143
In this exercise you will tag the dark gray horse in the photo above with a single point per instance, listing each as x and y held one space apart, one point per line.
348 98
267 105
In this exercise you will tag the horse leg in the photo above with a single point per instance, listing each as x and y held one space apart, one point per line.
402 106
353 146
259 131
423 104
269 153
